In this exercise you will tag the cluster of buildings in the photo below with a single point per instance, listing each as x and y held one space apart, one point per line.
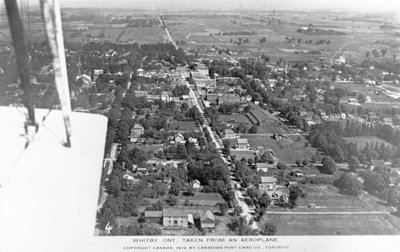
181 218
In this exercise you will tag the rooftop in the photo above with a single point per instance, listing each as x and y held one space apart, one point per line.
268 180
174 212
242 141
153 214
207 215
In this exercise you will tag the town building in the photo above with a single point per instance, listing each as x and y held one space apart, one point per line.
242 144
207 220
267 183
265 167
176 217
153 216
230 134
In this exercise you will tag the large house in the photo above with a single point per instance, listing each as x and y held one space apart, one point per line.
176 217
265 167
207 220
136 132
230 134
242 144
267 183
137 129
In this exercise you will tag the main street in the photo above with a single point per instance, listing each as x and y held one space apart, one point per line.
217 142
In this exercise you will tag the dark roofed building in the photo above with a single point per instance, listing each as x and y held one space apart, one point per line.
153 216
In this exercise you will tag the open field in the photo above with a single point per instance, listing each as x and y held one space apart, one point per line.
234 119
269 123
332 225
363 140
143 35
360 34
334 214
368 90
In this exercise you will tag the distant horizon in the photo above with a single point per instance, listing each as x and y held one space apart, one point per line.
234 5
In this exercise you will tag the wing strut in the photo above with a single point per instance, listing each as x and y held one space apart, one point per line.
17 33
52 20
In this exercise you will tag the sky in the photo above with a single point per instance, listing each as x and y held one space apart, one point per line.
368 5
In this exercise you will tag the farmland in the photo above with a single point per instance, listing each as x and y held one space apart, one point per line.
224 31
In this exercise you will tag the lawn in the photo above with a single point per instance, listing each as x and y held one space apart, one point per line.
202 201
269 123
234 119
288 155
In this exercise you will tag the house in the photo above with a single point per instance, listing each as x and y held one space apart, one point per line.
242 144
137 129
86 81
175 217
128 176
142 170
207 220
140 93
296 172
277 197
179 138
230 134
196 185
388 121
153 216
265 167
96 73
267 183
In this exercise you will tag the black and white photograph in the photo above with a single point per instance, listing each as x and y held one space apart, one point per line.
223 125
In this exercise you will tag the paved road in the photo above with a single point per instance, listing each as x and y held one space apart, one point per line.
341 49
166 30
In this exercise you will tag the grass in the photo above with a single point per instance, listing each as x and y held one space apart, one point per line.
332 225
269 123
126 221
329 200
286 155
143 35
238 118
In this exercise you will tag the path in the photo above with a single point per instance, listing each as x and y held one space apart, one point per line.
340 50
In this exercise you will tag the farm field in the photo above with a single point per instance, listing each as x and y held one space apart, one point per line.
362 141
143 35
